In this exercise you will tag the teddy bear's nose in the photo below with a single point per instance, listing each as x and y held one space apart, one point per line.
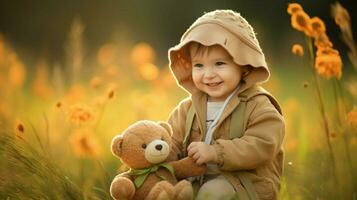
158 147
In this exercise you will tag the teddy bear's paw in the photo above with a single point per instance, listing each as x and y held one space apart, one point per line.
122 188
187 167
196 170
183 190
162 190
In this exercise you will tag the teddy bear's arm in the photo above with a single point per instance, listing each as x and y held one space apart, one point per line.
187 167
122 187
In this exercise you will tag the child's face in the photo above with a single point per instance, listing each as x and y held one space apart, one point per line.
214 72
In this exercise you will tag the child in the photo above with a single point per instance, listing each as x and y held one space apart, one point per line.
228 122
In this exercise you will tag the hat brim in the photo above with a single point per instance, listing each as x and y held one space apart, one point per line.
209 34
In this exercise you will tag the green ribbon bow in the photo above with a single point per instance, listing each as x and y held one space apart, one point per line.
143 173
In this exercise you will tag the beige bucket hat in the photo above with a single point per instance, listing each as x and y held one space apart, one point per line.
229 30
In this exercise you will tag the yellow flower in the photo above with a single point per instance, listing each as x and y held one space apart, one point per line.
148 71
317 26
297 50
142 53
106 54
40 85
291 145
84 143
165 80
76 93
291 106
293 8
96 82
329 65
322 41
326 51
17 71
352 118
301 22
112 71
80 113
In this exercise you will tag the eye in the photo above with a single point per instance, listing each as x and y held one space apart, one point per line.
162 138
219 63
199 65
143 146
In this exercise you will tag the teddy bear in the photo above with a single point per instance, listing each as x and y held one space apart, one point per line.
145 147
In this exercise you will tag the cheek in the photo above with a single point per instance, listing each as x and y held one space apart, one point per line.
238 70
234 81
196 76
234 76
239 76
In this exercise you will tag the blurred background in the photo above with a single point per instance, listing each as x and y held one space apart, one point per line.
41 28
73 74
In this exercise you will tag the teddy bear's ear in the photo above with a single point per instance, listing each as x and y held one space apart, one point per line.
117 145
166 126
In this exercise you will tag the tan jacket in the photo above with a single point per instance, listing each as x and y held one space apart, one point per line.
259 150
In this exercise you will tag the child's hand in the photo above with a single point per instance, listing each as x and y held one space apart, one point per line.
202 153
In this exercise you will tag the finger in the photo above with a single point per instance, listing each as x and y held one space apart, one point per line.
200 161
189 147
193 144
196 156
191 152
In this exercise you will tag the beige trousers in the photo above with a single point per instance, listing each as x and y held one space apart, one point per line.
217 188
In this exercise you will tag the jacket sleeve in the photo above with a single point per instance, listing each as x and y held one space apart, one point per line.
177 120
260 142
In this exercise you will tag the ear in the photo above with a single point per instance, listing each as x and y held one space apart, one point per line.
166 126
117 145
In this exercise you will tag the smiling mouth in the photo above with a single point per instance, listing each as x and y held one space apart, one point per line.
213 84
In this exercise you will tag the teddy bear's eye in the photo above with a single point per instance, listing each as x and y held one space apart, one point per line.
143 146
162 138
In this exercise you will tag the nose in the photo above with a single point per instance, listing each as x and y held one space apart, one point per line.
209 72
158 147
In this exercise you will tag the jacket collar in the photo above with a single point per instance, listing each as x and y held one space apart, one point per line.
199 101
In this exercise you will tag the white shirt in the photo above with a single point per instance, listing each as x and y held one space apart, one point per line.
212 111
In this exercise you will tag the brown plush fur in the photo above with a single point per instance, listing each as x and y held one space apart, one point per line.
128 147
